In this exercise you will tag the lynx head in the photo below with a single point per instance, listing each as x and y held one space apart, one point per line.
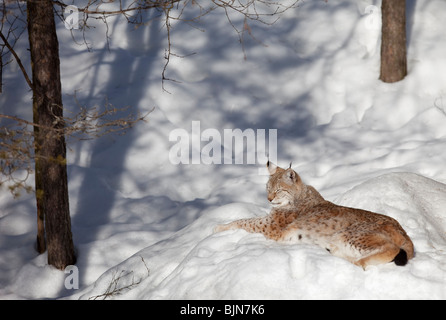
284 185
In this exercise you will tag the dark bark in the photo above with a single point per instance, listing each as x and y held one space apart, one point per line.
50 147
393 46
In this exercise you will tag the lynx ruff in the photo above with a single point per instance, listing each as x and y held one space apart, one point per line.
301 215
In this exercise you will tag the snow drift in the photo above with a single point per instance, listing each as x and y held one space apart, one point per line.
240 265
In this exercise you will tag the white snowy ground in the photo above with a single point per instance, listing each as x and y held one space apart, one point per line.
143 224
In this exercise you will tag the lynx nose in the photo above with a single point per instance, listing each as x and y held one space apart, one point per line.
271 197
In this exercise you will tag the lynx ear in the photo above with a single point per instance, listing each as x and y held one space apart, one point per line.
291 176
271 167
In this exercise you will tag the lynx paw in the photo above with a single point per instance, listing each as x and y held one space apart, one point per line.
222 227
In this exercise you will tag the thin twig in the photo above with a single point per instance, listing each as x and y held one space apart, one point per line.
19 62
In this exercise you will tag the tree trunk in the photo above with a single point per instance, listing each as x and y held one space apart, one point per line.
49 140
393 45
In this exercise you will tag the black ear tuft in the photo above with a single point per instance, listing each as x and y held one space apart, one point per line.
271 167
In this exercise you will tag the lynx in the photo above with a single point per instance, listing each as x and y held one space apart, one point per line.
301 215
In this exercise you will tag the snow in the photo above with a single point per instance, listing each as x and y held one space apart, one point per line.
142 225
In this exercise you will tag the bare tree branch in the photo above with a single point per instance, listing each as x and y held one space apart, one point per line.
10 18
134 6
263 11
17 140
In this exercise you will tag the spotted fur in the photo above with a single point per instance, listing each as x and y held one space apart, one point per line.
301 215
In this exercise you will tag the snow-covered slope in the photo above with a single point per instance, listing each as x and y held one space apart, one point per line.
144 224
196 264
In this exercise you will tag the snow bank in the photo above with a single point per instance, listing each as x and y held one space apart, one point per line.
196 264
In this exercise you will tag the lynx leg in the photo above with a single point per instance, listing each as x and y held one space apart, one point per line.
246 224
225 227
388 253
254 225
